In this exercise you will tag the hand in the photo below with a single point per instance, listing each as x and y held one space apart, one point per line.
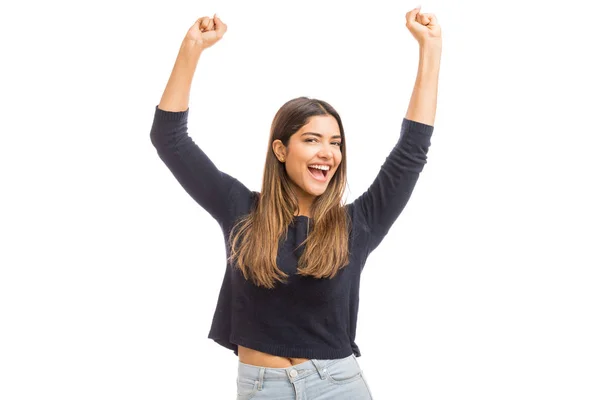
424 27
206 31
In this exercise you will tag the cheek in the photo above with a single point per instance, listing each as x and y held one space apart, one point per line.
297 161
295 168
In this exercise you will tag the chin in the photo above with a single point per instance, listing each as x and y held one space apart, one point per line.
316 192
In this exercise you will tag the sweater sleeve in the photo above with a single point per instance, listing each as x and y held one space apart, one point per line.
387 196
208 186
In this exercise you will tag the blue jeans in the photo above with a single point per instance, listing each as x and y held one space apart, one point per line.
311 380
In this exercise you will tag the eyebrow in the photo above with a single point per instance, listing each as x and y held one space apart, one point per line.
319 135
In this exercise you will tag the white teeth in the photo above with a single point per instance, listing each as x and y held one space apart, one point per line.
323 167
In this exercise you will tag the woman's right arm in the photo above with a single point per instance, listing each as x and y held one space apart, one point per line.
196 173
203 34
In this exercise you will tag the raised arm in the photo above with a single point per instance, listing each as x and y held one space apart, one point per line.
204 182
423 101
203 34
387 196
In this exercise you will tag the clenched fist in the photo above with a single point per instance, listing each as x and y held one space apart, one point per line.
206 31
424 27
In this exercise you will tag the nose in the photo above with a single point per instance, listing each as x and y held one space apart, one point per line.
326 152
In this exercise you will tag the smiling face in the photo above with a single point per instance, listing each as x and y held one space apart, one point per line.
312 157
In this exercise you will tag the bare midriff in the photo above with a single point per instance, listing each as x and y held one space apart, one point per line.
260 359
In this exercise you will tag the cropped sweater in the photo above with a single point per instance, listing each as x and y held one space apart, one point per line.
304 317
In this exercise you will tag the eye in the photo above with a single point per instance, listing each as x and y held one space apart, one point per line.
339 144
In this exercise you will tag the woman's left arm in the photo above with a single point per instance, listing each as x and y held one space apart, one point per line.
387 196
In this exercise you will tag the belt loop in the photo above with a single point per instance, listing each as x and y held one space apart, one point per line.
261 375
320 368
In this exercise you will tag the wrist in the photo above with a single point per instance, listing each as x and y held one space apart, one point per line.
191 47
431 47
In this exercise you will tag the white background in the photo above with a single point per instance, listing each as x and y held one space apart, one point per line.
485 288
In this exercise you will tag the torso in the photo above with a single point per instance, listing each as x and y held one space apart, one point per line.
260 359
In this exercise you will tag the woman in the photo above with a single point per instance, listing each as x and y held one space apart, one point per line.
288 303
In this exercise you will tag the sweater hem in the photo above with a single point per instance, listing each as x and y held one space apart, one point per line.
163 115
420 127
287 350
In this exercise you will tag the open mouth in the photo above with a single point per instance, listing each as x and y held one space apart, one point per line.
318 174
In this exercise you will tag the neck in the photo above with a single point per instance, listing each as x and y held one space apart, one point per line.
304 203
304 211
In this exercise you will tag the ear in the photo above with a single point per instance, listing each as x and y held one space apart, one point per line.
279 150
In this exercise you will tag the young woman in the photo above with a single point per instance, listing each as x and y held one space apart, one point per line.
288 303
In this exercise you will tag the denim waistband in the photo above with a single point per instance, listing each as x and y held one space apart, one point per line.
292 373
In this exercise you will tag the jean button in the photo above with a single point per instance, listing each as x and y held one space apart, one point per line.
293 373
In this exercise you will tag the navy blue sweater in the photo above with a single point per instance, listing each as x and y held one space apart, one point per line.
306 317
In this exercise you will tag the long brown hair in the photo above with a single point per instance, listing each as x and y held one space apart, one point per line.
255 237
